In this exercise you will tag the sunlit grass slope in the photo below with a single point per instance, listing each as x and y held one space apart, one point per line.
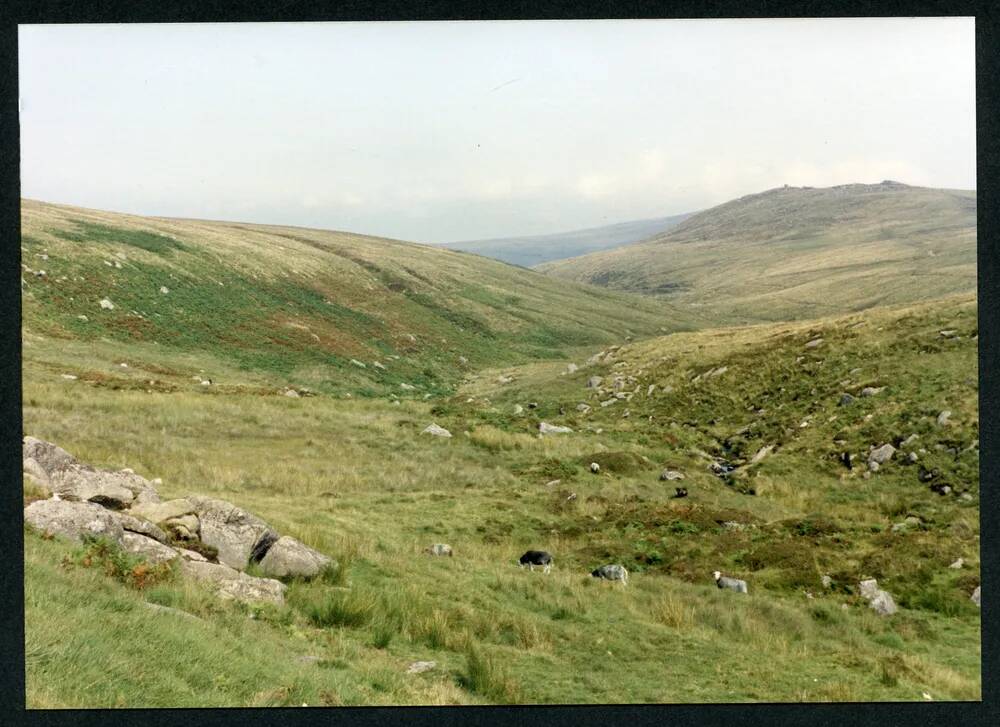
800 252
355 478
332 311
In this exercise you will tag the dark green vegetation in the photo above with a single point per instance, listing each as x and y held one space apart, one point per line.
301 304
536 249
800 252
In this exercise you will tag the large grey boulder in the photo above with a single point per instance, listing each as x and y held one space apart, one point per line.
288 558
47 455
73 520
228 583
231 530
72 480
154 552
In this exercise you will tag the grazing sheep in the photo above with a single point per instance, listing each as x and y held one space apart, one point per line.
733 584
439 549
536 557
612 572
680 492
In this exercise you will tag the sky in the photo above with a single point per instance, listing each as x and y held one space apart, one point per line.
439 132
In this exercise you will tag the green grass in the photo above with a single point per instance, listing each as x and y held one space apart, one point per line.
298 305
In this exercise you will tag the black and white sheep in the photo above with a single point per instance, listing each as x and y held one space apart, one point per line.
733 584
613 572
536 557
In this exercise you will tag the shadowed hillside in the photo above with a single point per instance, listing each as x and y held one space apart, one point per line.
535 249
799 252
333 311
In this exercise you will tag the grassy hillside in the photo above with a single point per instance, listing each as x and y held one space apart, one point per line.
355 479
535 249
296 305
801 252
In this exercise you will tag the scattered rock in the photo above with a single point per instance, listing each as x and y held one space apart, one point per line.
153 551
942 419
407 387
288 558
359 364
882 454
975 596
378 365
435 430
595 467
107 304
418 667
957 564
594 381
164 289
571 368
912 458
827 581
518 409
73 520
669 475
505 379
70 377
292 394
546 428
552 483
584 408
609 402
878 600
463 360
950 333
871 390
845 400
814 343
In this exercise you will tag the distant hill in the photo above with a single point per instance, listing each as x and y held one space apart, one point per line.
299 303
536 249
798 252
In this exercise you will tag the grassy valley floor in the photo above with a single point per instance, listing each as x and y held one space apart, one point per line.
353 477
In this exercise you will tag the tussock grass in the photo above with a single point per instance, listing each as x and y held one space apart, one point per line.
486 676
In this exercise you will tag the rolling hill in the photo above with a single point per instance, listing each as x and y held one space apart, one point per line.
800 252
332 311
533 250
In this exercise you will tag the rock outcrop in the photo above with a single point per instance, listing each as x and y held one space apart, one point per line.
125 509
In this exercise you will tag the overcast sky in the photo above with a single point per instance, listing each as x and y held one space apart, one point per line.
449 131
